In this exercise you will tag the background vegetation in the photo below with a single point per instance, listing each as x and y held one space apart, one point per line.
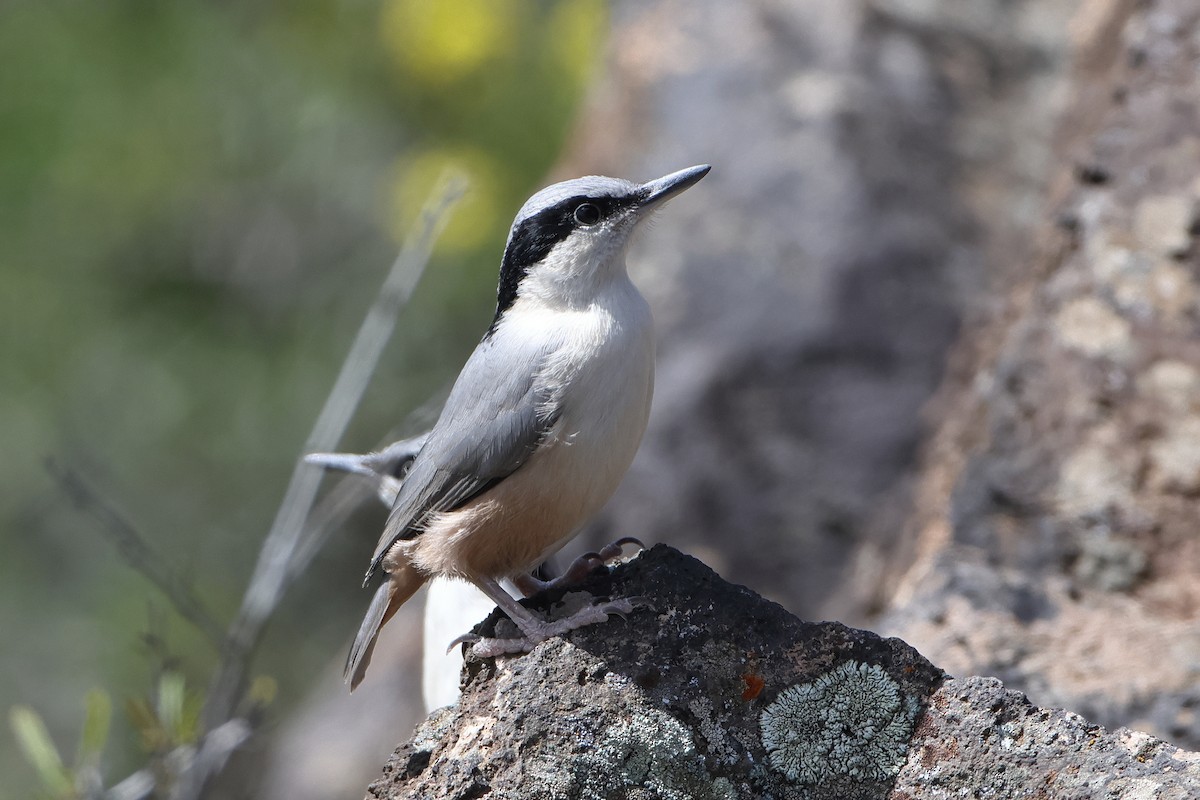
197 202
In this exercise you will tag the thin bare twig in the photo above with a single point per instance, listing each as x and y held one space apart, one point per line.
137 551
220 744
274 572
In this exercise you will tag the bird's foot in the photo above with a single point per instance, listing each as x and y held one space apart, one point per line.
579 569
536 631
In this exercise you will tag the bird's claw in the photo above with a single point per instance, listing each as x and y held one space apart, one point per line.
467 638
579 569
626 605
486 647
617 549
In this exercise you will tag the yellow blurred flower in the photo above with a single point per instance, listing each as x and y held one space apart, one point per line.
473 221
575 33
442 41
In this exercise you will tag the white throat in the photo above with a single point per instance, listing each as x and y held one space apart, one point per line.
577 271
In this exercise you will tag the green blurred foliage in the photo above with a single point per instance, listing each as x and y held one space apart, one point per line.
170 719
37 746
56 780
197 202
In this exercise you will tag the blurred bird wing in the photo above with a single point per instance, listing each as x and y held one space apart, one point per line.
494 419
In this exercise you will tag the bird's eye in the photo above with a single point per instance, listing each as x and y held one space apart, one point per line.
587 214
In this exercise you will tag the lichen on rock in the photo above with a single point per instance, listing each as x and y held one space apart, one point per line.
650 754
852 721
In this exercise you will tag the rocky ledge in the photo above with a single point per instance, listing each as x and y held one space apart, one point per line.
709 691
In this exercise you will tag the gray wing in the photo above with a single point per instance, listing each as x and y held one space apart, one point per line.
494 419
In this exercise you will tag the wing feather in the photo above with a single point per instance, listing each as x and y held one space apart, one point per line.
494 419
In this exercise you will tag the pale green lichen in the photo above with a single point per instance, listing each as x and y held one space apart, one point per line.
649 755
852 721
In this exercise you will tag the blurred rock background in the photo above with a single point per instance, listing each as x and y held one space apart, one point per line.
927 332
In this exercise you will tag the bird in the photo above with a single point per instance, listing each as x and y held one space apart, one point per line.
541 424
383 469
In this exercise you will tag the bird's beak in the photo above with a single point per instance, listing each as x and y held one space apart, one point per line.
670 185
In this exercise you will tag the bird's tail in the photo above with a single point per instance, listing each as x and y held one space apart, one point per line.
393 593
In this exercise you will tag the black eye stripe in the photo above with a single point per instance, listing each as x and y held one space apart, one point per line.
536 235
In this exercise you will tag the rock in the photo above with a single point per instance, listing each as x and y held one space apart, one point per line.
1175 384
1162 223
1175 458
709 691
1089 326
978 739
1065 462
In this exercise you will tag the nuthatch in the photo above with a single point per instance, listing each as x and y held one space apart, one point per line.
542 422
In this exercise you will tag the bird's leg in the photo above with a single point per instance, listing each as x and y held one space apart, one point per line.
535 630
579 569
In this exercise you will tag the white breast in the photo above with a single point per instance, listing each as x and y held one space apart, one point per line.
600 375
